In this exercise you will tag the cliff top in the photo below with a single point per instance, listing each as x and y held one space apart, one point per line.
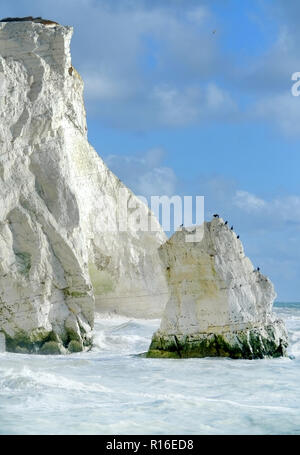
37 20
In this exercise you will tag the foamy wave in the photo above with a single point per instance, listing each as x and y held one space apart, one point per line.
120 335
109 391
116 344
27 378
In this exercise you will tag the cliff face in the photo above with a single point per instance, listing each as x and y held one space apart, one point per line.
61 250
219 306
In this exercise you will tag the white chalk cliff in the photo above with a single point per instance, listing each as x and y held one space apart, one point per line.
61 252
219 305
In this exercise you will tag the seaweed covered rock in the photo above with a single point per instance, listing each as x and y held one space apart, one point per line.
219 305
61 249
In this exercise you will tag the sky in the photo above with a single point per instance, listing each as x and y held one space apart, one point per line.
193 97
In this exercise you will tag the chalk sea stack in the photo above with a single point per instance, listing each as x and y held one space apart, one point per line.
219 305
61 252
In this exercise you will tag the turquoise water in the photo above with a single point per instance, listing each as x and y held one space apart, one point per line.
112 391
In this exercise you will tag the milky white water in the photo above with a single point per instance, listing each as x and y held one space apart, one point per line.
110 390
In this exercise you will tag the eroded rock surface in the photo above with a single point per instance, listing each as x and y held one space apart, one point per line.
61 251
219 305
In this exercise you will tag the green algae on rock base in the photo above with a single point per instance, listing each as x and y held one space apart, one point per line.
75 346
51 348
24 343
43 342
254 343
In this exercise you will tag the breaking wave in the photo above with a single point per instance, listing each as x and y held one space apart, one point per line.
111 390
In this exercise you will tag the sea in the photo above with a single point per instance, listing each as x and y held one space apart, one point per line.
111 390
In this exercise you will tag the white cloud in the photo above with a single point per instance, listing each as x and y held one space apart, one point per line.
287 208
248 202
191 104
157 182
144 174
219 100
284 41
282 110
100 86
280 209
176 107
197 15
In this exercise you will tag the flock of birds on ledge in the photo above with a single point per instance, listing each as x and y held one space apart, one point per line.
225 224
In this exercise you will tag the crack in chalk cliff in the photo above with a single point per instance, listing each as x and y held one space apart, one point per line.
177 345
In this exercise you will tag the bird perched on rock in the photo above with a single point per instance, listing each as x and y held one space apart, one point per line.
237 236
216 215
226 222
231 228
